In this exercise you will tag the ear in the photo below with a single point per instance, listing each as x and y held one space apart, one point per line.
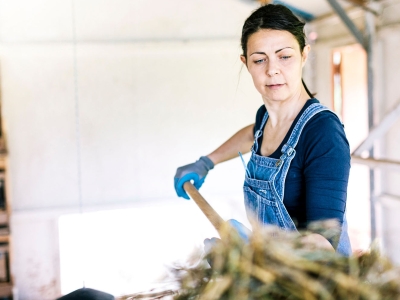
243 59
304 54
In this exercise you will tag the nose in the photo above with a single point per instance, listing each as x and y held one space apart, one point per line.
272 68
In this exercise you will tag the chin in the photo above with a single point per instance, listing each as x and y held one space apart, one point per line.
275 98
275 95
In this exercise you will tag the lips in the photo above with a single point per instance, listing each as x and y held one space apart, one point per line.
275 86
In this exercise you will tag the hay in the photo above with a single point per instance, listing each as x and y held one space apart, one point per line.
275 264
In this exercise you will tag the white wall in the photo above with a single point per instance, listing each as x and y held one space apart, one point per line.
143 111
390 39
157 86
390 97
137 99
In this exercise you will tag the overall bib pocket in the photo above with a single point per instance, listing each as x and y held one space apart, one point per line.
263 206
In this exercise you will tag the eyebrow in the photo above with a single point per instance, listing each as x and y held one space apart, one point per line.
275 51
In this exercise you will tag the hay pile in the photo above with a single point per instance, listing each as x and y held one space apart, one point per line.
277 265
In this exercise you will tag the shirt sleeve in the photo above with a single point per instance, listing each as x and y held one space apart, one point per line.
326 168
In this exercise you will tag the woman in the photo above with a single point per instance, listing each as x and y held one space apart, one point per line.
300 161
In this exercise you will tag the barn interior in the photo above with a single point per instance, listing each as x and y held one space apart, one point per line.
102 100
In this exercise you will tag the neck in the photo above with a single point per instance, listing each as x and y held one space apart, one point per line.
280 112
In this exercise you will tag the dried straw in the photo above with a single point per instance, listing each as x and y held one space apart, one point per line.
275 264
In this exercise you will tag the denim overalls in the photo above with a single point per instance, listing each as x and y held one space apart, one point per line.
264 184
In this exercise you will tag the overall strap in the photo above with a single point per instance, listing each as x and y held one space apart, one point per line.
310 112
259 132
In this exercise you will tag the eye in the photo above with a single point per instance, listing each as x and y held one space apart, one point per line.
259 61
285 57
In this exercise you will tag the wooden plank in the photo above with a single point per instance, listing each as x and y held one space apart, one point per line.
5 289
2 162
379 130
4 238
3 217
377 163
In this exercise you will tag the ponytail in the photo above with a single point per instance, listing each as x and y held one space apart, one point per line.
308 92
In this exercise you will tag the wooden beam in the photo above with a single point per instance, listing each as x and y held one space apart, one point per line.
377 163
378 131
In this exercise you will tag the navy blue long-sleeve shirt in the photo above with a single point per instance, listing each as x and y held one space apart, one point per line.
316 183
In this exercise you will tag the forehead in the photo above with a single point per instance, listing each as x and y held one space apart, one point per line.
269 39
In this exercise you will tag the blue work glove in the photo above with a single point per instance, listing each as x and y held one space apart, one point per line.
196 171
242 230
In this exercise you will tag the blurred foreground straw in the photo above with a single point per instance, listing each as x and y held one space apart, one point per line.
275 264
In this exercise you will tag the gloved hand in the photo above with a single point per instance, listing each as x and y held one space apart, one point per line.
242 230
210 243
196 171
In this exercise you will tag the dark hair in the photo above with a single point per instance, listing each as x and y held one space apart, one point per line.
276 17
273 16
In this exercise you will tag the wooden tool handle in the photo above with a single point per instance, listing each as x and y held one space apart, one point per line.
206 208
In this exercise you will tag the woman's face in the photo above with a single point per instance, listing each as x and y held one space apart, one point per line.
275 63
